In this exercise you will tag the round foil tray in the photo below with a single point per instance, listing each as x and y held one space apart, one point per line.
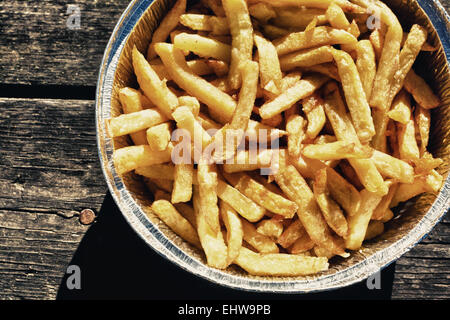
414 220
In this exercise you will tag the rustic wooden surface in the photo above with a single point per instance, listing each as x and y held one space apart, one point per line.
50 172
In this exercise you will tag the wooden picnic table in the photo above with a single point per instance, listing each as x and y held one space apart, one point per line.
50 172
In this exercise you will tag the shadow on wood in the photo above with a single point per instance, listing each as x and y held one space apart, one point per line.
115 263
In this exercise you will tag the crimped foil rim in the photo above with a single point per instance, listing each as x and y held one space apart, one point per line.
135 216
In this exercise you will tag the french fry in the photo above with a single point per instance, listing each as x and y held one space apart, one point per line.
422 119
300 17
426 164
248 161
203 46
343 192
171 217
392 167
241 30
381 122
366 65
212 241
269 65
220 68
157 171
134 122
407 142
166 26
401 108
130 99
155 89
186 210
320 36
284 101
260 242
183 181
355 96
296 134
129 158
208 182
358 223
290 234
239 202
388 215
287 264
306 167
272 228
336 17
330 209
315 114
235 232
336 151
202 22
328 69
199 66
273 32
421 91
376 38
191 102
297 190
347 6
306 58
262 11
158 137
374 229
176 66
380 211
302 244
261 195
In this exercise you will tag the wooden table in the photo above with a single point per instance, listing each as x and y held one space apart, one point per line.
50 172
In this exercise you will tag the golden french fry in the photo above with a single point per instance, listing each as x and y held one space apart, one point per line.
130 99
376 38
158 137
358 223
203 46
272 228
191 102
205 92
297 190
336 151
421 91
315 114
380 211
239 202
366 65
301 245
134 122
425 164
374 229
183 181
330 209
241 30
284 101
202 22
407 142
347 6
262 11
273 32
287 264
306 58
320 36
343 192
171 217
220 68
401 108
132 157
208 182
422 119
155 89
291 234
355 96
328 69
261 195
186 120
235 232
269 65
212 241
157 171
260 242
392 167
199 66
296 134
166 26
246 160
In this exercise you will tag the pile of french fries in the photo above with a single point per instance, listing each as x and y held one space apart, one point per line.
340 122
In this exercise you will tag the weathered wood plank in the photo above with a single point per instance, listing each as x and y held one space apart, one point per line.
37 47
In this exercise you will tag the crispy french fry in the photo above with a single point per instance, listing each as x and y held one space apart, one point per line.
269 65
380 211
170 216
306 166
284 101
272 228
212 241
302 244
208 182
422 119
366 65
241 30
320 36
176 66
202 22
130 99
343 192
158 137
134 122
374 229
425 164
261 195
248 161
296 134
262 11
421 91
260 242
182 185
315 114
336 151
376 38
191 102
407 142
235 232
328 69
401 108
239 202
306 58
132 157
358 223
155 89
355 96
287 264
203 46
297 190
392 167
330 209
291 234
199 66
347 6
157 171
186 120
166 26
